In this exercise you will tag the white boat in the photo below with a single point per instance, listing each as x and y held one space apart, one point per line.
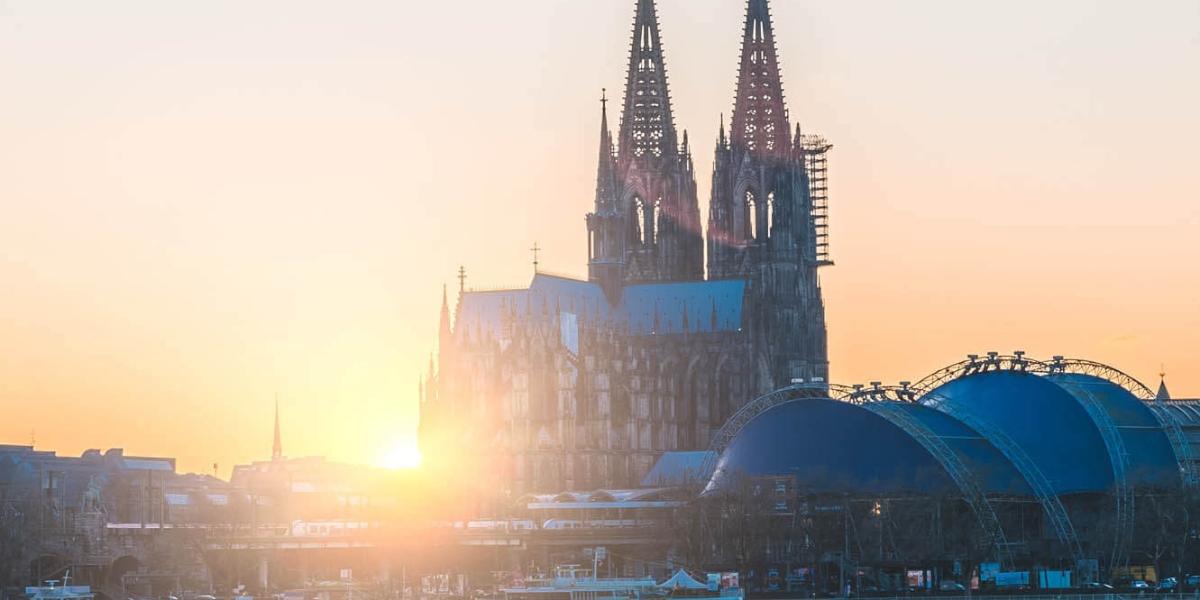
570 582
53 591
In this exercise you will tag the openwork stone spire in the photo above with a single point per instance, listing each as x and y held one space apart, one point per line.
762 222
648 228
647 127
759 117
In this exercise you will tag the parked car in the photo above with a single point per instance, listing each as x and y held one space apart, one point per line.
774 583
951 586
1191 583
1139 584
1168 584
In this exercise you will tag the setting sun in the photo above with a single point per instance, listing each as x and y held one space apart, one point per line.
402 454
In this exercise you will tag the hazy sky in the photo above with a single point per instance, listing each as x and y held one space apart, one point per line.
206 203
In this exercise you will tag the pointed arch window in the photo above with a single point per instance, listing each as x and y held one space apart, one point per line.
645 220
750 210
771 209
639 219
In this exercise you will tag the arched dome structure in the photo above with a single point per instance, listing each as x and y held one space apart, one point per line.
1149 458
987 428
1041 418
805 438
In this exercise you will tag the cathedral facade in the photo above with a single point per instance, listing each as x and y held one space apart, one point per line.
579 385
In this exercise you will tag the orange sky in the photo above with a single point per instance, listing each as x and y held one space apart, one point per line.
204 204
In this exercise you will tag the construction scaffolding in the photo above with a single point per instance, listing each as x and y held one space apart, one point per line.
816 163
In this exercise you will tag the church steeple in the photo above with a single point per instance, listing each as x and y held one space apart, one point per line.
760 121
650 231
1162 394
277 445
444 337
647 125
606 183
606 240
761 225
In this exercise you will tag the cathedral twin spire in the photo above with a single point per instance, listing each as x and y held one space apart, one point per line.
761 212
647 125
760 120
646 223
763 220
762 225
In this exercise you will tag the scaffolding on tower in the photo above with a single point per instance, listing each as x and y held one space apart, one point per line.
816 163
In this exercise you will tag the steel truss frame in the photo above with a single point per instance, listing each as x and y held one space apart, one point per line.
721 439
877 398
881 401
1123 493
1119 458
1052 505
1018 362
1180 445
885 402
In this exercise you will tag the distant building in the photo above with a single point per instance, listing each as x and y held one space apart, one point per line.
130 526
76 513
289 489
284 490
577 385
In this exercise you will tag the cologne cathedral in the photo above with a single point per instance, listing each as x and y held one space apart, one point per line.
581 385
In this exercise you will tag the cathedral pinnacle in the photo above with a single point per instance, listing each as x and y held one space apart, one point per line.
444 337
759 120
647 125
606 172
646 225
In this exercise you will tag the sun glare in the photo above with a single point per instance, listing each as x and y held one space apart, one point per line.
401 455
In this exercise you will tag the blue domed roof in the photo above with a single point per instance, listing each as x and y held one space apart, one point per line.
1150 460
831 447
989 467
1043 419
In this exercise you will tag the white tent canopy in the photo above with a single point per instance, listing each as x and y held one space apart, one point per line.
681 580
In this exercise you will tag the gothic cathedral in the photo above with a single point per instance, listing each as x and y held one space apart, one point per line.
570 385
